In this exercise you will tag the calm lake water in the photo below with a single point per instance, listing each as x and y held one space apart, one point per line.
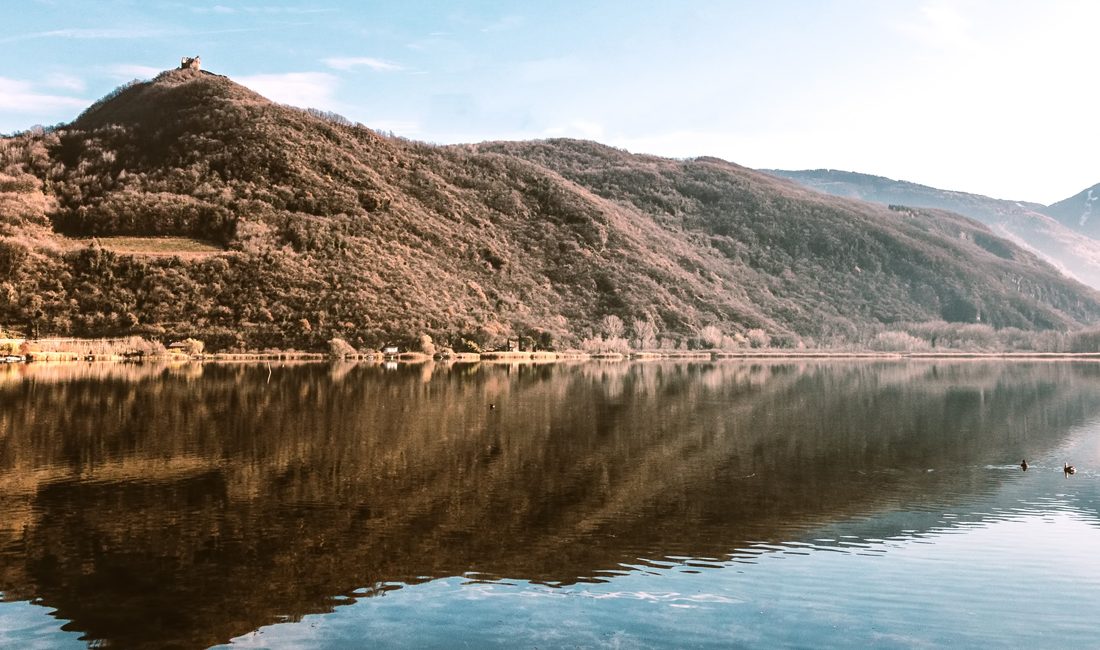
732 504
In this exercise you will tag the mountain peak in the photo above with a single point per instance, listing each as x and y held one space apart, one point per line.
1080 212
171 91
186 74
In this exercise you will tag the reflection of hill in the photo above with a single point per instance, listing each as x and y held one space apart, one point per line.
178 508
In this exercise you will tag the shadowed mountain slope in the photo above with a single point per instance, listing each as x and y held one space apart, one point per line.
1079 212
1057 233
329 229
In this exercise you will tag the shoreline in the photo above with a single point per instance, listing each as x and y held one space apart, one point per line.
539 357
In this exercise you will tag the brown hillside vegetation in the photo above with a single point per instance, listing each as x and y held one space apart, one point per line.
331 230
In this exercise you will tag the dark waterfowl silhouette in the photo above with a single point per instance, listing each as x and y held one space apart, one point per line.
1023 464
1069 469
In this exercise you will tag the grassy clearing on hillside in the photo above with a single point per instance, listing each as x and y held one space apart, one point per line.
184 247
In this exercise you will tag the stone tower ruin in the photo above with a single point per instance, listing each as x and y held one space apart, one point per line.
191 63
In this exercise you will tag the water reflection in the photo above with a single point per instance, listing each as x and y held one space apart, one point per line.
182 506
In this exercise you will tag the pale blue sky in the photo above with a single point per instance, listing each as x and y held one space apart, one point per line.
988 96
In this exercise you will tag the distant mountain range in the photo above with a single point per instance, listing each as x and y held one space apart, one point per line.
1079 212
295 226
1066 234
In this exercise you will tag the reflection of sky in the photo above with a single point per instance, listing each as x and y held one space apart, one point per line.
1027 579
28 626
1015 568
1082 448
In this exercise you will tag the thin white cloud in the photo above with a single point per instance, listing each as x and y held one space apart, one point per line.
65 82
305 89
940 25
129 33
586 129
21 97
216 9
88 34
550 70
400 127
505 24
133 71
268 9
352 62
100 33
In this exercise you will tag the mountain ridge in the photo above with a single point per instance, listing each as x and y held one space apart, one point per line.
329 229
1079 211
1069 248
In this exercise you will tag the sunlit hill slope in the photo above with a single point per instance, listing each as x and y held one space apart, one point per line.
299 226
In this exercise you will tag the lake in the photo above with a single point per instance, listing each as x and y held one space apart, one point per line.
635 505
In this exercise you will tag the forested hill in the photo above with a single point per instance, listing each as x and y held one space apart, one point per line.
1061 233
290 227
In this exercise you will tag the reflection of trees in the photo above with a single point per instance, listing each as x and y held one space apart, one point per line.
18 373
170 505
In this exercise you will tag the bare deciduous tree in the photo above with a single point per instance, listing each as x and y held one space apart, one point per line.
711 336
612 326
645 331
758 338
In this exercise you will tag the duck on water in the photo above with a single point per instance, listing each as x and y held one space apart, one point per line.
1066 468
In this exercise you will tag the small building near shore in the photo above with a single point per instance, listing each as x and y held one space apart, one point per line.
178 348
